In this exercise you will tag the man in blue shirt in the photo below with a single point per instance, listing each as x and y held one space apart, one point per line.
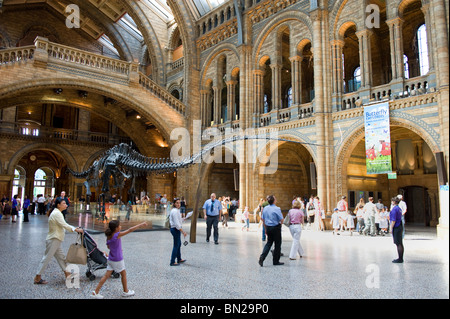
395 219
212 210
272 219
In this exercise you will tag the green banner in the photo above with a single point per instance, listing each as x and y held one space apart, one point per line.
378 139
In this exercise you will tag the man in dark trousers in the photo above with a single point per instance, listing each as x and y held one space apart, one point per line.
212 211
272 219
63 197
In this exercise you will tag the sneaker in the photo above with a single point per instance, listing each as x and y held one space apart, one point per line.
96 296
128 294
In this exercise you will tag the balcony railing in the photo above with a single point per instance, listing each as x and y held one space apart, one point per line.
16 55
44 132
45 51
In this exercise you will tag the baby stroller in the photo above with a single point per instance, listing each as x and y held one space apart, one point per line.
96 259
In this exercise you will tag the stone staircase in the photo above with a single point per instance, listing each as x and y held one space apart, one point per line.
46 64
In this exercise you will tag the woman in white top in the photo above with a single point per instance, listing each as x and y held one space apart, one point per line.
176 230
55 237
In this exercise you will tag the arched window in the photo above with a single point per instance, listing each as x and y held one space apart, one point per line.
422 44
406 66
357 77
355 83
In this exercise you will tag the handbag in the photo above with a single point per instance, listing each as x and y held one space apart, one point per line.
77 253
287 220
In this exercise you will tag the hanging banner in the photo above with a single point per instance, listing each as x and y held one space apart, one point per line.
378 139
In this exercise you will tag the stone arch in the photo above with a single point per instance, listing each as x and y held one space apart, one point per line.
17 89
403 5
70 160
288 136
273 24
355 136
222 49
301 45
343 27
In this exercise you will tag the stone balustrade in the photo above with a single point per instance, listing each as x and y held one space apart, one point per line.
16 55
161 93
56 53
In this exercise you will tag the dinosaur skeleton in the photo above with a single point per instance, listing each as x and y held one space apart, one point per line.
121 161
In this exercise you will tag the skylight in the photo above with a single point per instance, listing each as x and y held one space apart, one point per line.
202 7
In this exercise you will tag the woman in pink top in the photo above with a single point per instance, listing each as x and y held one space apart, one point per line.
296 215
246 219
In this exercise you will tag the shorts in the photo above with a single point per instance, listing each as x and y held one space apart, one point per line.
397 235
117 266
14 212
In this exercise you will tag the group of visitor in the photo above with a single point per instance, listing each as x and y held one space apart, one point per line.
213 209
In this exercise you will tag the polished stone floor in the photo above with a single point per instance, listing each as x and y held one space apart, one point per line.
350 267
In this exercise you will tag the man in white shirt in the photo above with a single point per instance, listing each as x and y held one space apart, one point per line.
403 207
369 211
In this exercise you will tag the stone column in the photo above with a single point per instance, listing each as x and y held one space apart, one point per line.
258 78
231 98
337 49
217 100
442 76
296 80
365 57
205 115
319 107
276 86
396 44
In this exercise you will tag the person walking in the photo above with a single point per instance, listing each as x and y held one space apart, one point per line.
64 198
246 219
115 258
26 204
296 219
310 211
395 218
261 206
318 216
212 211
15 208
370 210
343 211
55 237
176 224
272 219
183 207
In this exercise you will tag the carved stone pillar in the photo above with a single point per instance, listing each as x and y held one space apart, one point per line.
258 82
276 86
365 57
296 79
231 98
396 43
205 112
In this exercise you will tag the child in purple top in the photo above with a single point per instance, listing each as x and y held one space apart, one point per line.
115 258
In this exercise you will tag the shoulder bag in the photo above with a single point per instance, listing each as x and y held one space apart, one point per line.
77 253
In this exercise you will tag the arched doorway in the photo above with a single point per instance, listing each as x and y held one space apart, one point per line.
292 176
414 176
44 182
